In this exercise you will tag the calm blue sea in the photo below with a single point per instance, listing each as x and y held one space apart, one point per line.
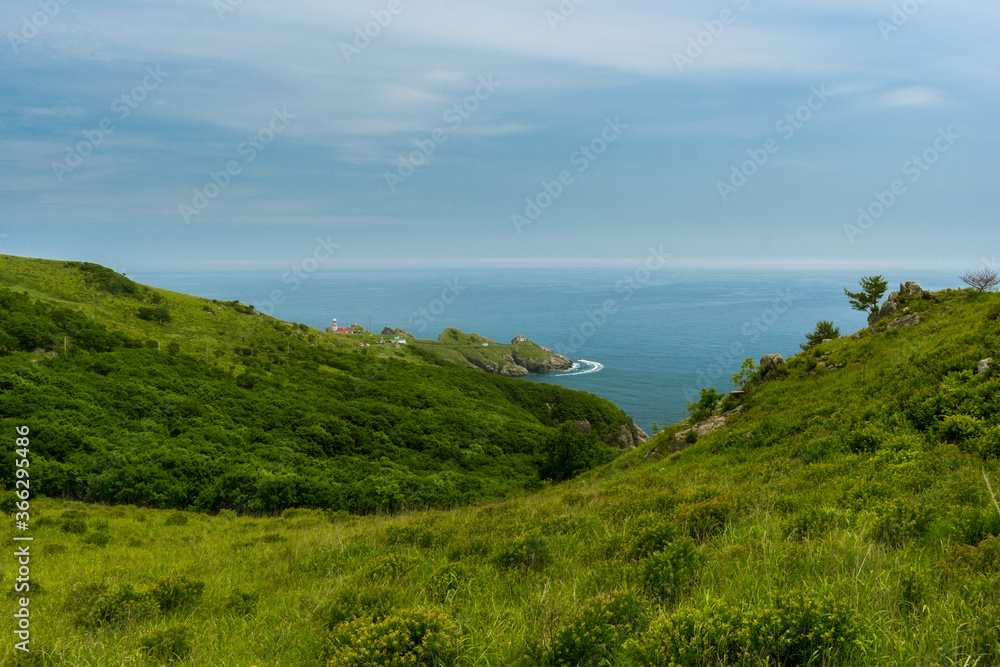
649 339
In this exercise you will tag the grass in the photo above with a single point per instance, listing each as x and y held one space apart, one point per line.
837 509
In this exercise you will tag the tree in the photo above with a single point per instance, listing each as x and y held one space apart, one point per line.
748 373
702 408
872 289
982 280
569 452
824 329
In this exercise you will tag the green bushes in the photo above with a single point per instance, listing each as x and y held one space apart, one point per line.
169 644
176 591
704 520
96 605
649 534
790 630
241 602
595 635
899 520
667 573
530 552
405 638
811 523
347 604
569 452
445 582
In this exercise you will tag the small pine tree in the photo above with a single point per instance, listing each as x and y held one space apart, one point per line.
872 289
824 329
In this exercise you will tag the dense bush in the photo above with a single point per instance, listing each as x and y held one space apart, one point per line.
595 635
650 533
530 552
169 644
568 452
409 637
370 604
704 520
95 605
667 573
176 591
791 630
899 520
268 437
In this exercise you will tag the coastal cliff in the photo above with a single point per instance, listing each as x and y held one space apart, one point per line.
520 357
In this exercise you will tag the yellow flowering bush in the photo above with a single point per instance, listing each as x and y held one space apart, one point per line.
405 638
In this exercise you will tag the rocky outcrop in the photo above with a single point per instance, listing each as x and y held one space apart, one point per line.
513 364
684 439
772 361
984 366
903 321
553 362
508 369
895 300
630 436
398 331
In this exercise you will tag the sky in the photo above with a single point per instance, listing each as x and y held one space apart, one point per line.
222 134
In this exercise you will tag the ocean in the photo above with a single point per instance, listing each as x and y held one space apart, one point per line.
648 339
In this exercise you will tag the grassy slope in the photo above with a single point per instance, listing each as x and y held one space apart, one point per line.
191 326
341 425
465 349
776 502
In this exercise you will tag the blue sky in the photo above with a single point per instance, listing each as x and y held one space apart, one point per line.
234 133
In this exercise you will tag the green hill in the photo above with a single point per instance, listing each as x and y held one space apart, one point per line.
144 396
842 515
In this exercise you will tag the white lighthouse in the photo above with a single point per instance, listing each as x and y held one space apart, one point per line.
333 326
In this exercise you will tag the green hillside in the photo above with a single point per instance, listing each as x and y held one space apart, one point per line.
144 396
841 516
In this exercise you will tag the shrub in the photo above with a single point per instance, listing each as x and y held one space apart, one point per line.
650 534
176 591
666 574
690 637
866 438
226 515
241 603
408 637
708 399
530 552
98 539
570 452
75 526
176 519
810 523
824 329
52 548
960 430
446 581
8 502
791 630
159 315
169 644
704 520
595 636
912 590
391 566
899 520
348 604
794 629
987 445
95 605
